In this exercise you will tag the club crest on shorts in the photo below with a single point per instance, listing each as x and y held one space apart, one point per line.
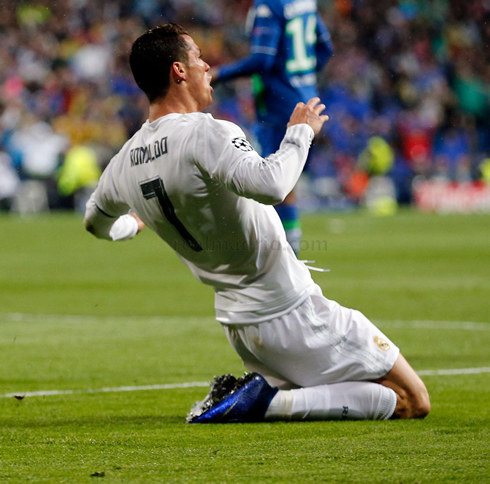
382 344
242 144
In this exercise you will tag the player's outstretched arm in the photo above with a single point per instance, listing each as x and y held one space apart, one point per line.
310 114
253 64
266 33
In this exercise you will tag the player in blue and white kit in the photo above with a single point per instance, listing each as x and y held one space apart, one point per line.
289 45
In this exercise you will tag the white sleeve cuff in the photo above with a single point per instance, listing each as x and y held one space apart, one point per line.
124 228
298 133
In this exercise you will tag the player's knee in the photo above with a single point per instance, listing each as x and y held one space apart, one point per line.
419 404
421 407
412 403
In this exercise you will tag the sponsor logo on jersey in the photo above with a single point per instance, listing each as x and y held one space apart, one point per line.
145 154
242 144
305 80
382 343
258 49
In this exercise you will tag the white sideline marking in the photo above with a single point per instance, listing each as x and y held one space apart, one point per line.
47 393
59 318
393 323
462 371
196 384
427 324
74 318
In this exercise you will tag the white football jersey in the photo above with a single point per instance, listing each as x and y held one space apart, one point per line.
199 184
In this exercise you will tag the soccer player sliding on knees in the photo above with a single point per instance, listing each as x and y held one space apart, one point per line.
198 183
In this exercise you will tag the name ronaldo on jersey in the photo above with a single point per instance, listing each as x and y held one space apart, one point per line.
151 152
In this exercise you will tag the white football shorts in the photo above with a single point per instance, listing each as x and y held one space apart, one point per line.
317 343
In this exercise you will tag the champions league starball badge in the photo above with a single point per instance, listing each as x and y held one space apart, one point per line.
242 144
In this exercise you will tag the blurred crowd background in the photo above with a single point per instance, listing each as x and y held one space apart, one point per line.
407 92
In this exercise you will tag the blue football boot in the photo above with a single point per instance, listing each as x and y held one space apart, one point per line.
231 400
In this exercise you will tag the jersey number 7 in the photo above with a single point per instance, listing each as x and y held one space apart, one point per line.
155 188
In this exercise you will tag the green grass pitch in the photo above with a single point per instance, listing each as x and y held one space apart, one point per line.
78 314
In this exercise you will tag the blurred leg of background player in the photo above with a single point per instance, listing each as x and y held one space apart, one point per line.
269 138
289 214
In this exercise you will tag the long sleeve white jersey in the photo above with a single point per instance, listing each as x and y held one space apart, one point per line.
198 183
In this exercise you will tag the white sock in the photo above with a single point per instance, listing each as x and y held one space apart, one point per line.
338 401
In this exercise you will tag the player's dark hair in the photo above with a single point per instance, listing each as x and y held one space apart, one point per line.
152 57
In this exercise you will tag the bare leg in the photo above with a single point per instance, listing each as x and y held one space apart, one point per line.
412 396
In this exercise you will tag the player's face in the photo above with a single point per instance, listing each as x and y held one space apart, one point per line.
198 77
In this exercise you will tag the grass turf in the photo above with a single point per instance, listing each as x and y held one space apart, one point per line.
137 317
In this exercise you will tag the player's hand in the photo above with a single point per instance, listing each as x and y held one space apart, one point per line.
141 224
310 114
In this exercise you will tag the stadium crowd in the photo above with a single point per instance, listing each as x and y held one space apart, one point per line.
407 91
